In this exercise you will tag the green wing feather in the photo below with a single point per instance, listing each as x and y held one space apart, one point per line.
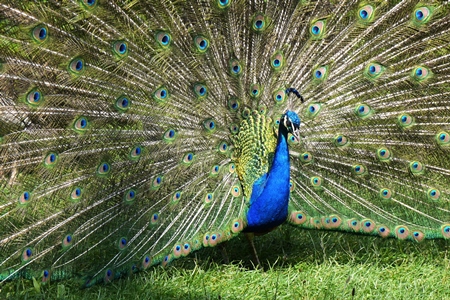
255 145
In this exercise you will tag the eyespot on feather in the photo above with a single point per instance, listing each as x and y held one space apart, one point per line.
316 182
108 276
201 43
177 251
262 109
320 73
359 170
34 98
443 138
333 221
277 61
418 235
385 193
368 225
235 67
157 182
122 103
50 159
420 74
374 70
129 196
209 125
89 4
235 191
416 167
421 15
402 232
445 230
120 49
81 124
186 249
209 197
354 224
279 96
40 33
205 239
405 121
200 90
292 140
363 111
146 262
76 194
169 136
316 223
384 154
76 66
312 110
366 14
135 153
237 225
24 198
383 231
234 129
317 29
223 3
341 141
103 169
255 90
433 194
176 197
291 186
167 259
164 39
27 254
233 104
298 217
161 95
223 147
259 22
214 239
306 158
214 170
67 241
154 218
188 158
45 276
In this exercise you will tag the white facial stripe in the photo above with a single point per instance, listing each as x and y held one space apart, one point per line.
285 121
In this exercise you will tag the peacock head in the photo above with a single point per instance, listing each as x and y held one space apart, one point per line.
291 121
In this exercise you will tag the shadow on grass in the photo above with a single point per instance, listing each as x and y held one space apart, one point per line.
286 250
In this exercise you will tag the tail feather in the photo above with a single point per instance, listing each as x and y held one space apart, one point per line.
131 133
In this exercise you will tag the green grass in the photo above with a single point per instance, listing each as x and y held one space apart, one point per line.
298 264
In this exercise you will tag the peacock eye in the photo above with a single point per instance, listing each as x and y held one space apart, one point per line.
40 33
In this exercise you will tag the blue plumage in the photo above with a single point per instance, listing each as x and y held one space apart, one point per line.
270 193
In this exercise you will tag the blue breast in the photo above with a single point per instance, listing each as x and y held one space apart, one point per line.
270 193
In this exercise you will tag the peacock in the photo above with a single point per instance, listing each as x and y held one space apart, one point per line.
134 132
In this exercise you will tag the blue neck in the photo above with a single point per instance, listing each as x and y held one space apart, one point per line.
270 193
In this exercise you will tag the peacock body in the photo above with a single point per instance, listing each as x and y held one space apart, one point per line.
135 132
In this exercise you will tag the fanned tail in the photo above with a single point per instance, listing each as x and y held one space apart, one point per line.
131 133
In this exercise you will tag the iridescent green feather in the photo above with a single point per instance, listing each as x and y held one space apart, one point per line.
254 144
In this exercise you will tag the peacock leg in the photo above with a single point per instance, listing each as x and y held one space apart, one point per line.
250 236
223 251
